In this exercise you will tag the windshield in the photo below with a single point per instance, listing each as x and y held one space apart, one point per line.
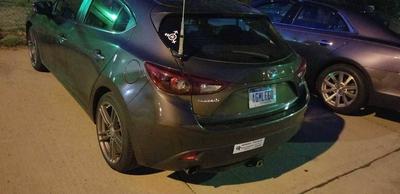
392 23
246 39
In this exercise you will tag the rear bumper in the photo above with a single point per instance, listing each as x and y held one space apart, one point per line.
161 145
216 150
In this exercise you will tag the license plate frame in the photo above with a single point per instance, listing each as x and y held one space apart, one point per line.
262 96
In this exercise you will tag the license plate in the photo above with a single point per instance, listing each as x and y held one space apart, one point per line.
262 96
251 145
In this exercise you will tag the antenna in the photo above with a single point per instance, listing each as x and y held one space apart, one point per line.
182 33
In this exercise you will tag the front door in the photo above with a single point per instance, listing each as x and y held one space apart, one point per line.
93 43
62 25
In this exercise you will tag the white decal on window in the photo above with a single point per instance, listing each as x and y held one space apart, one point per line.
173 36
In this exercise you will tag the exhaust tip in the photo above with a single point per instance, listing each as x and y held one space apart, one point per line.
191 171
257 162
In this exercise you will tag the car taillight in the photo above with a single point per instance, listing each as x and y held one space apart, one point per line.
302 69
175 82
191 156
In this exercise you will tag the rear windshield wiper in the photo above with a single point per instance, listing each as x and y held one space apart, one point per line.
254 54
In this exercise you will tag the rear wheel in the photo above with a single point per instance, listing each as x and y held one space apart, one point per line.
34 53
343 88
113 136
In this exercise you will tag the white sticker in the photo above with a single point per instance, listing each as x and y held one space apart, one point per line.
247 146
173 36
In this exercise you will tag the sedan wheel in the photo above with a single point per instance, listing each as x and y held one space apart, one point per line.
339 89
343 88
112 123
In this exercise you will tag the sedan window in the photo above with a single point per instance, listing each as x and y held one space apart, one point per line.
276 11
322 18
110 15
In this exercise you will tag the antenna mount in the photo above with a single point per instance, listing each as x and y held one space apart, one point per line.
182 33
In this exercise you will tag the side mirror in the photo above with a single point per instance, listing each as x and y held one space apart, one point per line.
369 9
43 7
394 25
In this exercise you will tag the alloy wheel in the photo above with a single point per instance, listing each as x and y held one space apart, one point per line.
109 131
339 89
32 46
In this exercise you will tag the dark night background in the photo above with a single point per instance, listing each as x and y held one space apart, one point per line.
14 12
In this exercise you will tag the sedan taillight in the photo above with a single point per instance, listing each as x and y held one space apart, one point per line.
176 82
302 69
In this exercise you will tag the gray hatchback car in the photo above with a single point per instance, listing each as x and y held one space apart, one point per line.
237 91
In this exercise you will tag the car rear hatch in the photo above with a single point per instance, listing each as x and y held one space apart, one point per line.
238 65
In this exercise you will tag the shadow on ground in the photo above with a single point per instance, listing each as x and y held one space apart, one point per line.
320 131
382 113
387 114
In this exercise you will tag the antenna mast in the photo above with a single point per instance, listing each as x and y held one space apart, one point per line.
182 33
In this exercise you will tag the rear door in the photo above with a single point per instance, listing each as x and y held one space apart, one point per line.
94 42
282 14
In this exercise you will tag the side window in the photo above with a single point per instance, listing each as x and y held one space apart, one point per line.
321 18
67 9
110 15
276 11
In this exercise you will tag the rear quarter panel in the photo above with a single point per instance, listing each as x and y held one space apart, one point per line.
381 62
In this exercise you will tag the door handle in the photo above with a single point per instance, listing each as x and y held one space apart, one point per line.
325 43
61 38
98 56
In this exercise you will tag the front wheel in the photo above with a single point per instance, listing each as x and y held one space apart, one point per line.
34 53
343 88
113 136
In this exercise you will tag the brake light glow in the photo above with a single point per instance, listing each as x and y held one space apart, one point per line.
191 156
302 69
176 82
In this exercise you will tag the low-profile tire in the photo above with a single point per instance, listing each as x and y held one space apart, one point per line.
34 53
112 124
343 88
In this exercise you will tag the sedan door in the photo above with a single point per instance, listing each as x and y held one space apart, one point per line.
322 31
314 31
281 14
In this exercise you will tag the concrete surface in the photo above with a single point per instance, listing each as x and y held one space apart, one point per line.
48 145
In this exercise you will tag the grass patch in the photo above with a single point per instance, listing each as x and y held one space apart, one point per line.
1 34
13 14
13 17
12 41
23 3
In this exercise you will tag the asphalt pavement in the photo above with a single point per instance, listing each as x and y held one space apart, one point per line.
48 145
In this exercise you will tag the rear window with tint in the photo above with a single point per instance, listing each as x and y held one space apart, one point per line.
276 11
244 39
